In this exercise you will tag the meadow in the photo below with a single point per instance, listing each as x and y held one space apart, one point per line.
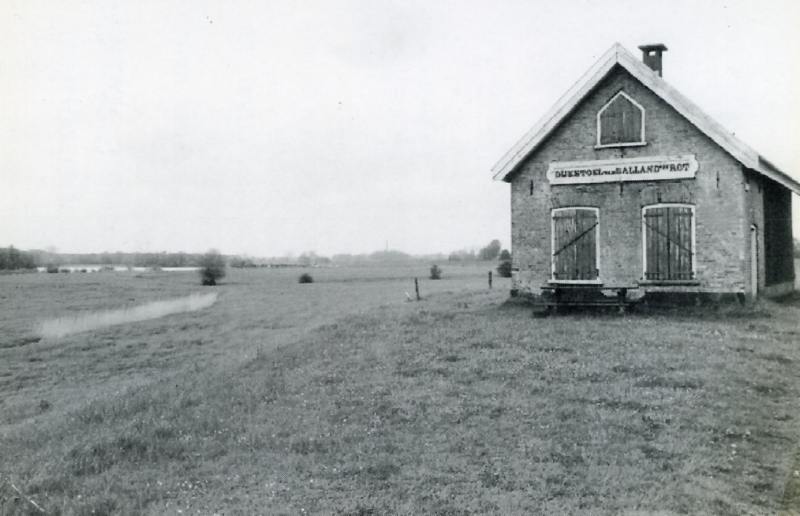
341 397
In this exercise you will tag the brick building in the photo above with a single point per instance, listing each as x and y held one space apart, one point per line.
627 183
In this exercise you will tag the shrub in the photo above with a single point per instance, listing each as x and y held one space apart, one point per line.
52 268
306 278
212 267
436 272
504 269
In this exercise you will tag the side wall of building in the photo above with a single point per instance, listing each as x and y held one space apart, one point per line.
717 192
769 218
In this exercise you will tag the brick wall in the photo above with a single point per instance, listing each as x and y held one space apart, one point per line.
718 193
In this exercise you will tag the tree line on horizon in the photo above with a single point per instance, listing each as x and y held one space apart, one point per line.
12 258
15 259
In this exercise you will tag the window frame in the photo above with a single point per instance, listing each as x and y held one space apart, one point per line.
552 279
641 141
645 229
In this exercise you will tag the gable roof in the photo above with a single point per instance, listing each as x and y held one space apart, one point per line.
617 55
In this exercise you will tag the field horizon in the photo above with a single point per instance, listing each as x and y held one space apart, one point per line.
341 397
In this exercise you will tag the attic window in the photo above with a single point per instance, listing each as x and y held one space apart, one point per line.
620 122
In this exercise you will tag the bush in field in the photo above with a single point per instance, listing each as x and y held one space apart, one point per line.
212 267
504 269
436 272
306 278
52 268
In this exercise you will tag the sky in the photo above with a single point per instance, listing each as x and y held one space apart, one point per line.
272 128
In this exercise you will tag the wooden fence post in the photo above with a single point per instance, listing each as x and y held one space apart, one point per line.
416 287
490 279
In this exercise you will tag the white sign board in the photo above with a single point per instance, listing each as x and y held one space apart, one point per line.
653 168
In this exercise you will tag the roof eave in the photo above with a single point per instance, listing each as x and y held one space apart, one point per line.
771 171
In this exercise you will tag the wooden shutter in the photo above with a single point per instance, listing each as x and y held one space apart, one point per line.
620 122
668 243
575 244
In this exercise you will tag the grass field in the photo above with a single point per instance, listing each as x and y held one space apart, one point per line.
339 397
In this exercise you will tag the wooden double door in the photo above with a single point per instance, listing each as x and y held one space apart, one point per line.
575 244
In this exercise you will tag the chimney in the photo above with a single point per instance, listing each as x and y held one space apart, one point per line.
651 56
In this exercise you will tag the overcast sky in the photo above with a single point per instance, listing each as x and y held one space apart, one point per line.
275 127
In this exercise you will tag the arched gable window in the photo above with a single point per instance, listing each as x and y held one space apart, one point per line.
620 122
